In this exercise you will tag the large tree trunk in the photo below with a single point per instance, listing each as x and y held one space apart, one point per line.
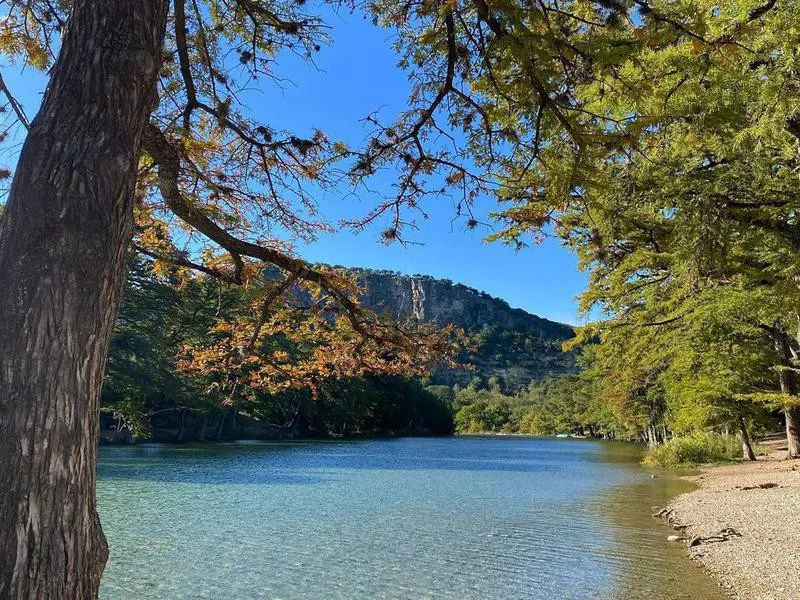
62 248
788 382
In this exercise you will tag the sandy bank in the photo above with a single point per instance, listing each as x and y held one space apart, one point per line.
757 503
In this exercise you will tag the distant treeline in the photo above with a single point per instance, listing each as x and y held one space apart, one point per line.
581 404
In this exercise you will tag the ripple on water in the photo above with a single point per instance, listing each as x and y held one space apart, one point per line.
462 518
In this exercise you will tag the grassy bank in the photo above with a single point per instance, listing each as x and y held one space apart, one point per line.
697 449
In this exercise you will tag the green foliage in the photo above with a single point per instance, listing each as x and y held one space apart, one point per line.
156 318
695 449
484 414
552 406
659 141
443 393
360 405
503 347
130 415
546 407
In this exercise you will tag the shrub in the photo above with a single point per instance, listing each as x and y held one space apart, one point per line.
534 423
481 417
694 449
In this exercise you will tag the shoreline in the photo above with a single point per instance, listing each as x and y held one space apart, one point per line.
738 526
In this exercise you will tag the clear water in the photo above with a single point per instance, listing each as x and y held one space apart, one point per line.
444 518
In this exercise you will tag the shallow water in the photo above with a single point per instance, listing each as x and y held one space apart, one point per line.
445 518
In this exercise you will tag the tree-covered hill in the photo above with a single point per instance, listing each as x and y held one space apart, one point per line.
506 345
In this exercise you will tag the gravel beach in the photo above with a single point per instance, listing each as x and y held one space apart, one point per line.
740 525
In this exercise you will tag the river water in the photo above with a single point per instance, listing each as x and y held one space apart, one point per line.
446 518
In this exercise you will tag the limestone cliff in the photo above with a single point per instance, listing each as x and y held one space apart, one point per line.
512 345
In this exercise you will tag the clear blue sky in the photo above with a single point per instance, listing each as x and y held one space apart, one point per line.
356 75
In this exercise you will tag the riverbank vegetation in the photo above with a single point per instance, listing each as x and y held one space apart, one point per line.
696 448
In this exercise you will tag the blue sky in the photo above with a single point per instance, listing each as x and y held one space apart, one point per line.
353 77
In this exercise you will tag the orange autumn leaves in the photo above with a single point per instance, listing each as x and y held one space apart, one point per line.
294 337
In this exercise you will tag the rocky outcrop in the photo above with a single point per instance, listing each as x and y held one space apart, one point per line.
441 301
512 345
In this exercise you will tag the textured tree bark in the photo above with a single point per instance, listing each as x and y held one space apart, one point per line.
788 383
62 246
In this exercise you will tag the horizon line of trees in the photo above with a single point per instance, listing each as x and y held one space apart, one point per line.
573 404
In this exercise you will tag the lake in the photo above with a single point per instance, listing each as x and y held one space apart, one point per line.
446 518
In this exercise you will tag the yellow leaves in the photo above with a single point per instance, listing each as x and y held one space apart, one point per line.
161 268
218 262
199 149
251 271
26 42
150 237
9 42
225 328
37 55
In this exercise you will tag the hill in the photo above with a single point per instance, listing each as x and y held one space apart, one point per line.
512 346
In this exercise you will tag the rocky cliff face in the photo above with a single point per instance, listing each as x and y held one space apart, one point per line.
513 346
